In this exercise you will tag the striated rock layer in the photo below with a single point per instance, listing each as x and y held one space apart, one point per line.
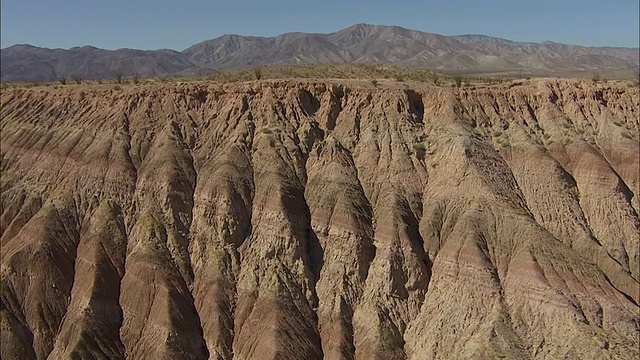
290 220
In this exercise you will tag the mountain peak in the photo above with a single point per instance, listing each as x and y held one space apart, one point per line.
361 43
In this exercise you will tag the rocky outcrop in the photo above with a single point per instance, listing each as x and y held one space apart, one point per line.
288 220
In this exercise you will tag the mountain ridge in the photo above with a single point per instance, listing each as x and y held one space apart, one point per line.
359 43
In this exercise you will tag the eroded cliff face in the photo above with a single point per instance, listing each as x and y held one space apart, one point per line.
288 220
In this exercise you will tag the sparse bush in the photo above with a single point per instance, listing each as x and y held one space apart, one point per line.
596 78
117 88
266 130
457 80
502 142
63 81
419 147
435 78
475 134
374 82
136 79
420 150
257 73
77 79
118 78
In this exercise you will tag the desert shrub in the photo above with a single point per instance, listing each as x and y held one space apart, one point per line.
420 150
257 73
374 82
596 78
503 142
457 80
419 147
136 79
63 81
266 130
435 78
77 79
118 78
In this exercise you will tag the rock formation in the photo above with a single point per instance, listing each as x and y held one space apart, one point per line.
302 220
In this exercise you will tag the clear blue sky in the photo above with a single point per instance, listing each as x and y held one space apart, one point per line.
154 24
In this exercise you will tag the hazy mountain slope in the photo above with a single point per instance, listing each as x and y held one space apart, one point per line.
360 43
363 43
25 62
288 220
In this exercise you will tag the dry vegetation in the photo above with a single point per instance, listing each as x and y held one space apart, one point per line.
376 75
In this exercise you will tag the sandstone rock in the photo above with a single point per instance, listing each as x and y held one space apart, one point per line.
289 220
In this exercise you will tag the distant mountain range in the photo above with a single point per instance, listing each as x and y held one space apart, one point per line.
360 43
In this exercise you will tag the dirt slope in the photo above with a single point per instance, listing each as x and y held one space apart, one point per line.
289 220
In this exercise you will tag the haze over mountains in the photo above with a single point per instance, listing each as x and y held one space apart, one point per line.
361 43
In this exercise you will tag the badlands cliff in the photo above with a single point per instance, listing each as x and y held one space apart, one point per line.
309 220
